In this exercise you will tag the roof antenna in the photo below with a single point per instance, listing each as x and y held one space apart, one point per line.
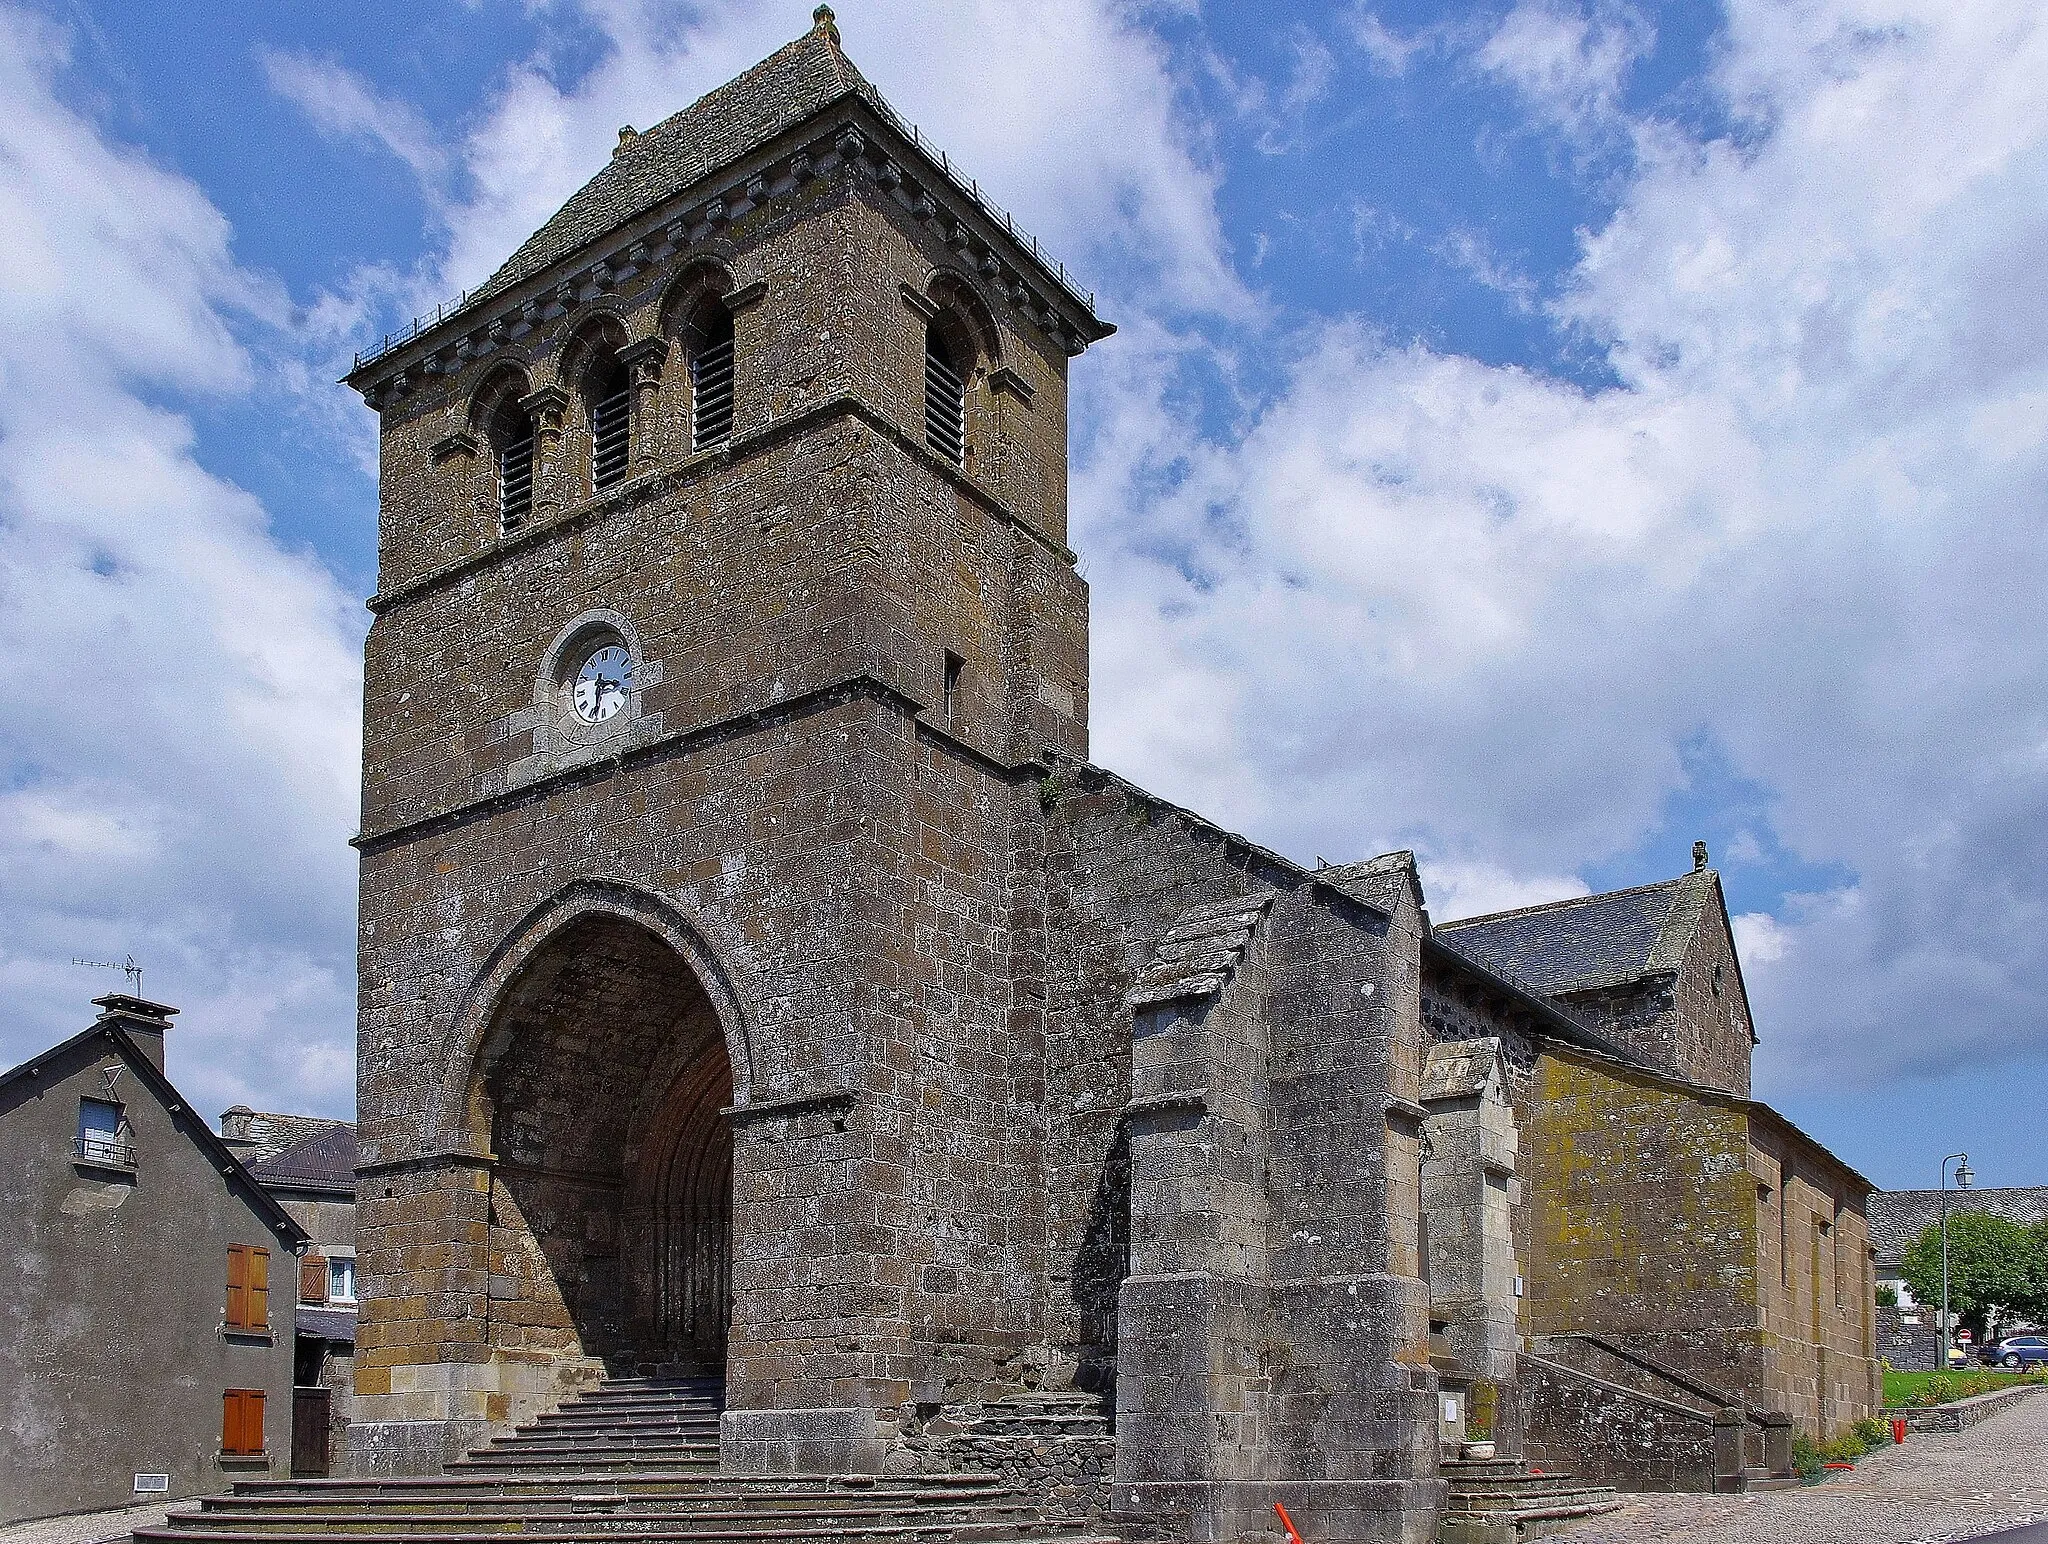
127 967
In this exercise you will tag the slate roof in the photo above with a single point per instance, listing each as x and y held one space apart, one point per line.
1199 952
271 1133
1899 1217
327 1323
791 84
1590 941
324 1160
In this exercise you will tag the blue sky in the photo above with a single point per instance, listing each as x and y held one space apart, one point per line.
1539 434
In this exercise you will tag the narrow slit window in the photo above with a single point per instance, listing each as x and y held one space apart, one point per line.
954 665
515 471
945 399
711 385
611 425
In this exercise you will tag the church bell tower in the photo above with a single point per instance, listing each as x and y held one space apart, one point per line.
725 633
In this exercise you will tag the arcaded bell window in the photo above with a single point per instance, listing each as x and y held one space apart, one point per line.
711 383
611 422
945 398
513 436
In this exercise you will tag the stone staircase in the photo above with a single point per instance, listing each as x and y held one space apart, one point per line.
1502 1501
635 1459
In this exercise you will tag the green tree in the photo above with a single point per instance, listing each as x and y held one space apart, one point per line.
1992 1264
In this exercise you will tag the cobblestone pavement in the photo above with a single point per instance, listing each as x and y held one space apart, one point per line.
1933 1490
85 1527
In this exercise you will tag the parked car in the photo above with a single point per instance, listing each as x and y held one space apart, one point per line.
2018 1351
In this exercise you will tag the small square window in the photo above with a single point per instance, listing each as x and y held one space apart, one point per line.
103 1134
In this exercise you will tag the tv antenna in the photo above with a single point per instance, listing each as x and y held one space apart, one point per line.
127 967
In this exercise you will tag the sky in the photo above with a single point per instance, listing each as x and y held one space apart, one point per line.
1538 434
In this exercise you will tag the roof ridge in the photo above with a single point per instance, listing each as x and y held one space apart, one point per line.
1576 900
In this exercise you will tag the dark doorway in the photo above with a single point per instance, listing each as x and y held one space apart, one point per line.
311 1409
606 1077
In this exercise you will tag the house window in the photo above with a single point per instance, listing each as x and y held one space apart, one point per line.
945 399
248 1288
341 1280
711 384
103 1134
241 1422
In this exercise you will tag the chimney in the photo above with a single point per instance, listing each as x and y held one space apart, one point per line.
141 1020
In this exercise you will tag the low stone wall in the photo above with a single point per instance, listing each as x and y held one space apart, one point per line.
1610 1435
1961 1415
1909 1338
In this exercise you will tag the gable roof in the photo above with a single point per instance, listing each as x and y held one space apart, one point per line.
322 1160
795 82
1899 1217
1591 940
195 1129
272 1132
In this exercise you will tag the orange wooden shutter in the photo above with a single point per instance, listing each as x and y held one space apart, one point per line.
238 1286
259 1290
313 1279
241 1421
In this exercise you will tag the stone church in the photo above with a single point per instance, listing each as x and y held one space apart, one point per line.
758 981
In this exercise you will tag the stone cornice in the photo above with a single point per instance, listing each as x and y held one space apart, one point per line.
861 687
851 136
663 481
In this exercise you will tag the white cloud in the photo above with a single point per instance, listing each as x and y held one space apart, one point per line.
1474 610
1478 889
342 105
178 696
1569 62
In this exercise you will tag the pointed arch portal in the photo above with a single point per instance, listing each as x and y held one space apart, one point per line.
603 1075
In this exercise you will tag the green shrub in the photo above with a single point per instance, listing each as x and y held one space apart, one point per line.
1940 1389
1806 1455
1887 1296
1875 1433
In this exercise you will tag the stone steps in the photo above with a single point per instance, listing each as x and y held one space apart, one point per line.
634 1459
1502 1501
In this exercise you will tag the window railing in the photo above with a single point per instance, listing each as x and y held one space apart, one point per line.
111 1151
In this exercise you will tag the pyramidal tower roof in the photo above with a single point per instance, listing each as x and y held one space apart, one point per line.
797 81
677 163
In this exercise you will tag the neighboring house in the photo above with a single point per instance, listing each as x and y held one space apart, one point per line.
309 1166
1899 1217
142 1269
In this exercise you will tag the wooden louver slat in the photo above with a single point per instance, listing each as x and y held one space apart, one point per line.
945 404
611 419
711 393
515 477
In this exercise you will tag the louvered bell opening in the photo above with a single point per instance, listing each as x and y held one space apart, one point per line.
711 389
945 401
611 433
515 477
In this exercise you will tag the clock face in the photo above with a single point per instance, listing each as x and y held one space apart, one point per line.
600 689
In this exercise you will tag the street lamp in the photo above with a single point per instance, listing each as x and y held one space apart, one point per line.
1963 1178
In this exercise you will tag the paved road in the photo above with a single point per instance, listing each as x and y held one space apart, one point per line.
1934 1490
85 1527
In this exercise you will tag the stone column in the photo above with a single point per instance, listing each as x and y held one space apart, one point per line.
645 360
548 408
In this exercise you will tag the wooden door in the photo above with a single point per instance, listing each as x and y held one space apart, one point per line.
309 1433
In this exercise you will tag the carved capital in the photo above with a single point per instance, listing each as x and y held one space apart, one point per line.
645 359
546 408
746 295
920 302
1003 378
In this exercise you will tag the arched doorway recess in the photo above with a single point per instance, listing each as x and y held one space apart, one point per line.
603 1075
